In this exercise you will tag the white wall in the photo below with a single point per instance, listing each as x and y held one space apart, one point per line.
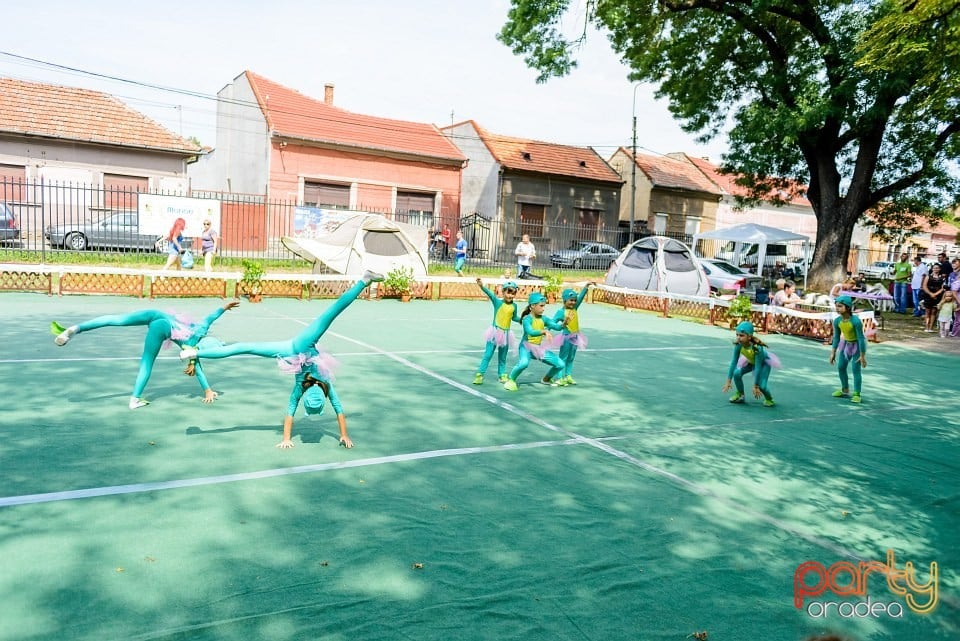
480 178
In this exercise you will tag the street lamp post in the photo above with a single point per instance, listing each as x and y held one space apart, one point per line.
633 168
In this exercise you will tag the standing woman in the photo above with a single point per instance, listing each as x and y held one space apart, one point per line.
209 245
931 291
175 243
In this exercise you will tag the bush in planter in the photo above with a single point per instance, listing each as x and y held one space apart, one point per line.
252 275
399 281
554 283
739 309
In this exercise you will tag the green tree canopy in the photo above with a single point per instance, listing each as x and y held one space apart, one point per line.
856 100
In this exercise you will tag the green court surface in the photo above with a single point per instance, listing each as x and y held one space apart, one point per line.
638 504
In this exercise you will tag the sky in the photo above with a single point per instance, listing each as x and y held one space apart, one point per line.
432 61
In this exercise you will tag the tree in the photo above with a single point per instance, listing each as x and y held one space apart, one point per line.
807 95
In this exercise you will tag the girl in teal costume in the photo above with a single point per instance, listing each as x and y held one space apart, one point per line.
750 354
851 343
535 325
572 337
161 327
498 336
299 355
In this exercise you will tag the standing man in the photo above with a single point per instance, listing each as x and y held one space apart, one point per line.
916 283
901 276
525 252
945 267
459 254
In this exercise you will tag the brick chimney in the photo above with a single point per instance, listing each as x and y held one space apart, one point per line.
328 93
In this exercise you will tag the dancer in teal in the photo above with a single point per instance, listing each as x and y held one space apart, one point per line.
535 326
573 338
851 343
750 354
161 327
313 369
498 336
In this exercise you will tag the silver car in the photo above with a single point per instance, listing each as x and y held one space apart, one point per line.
586 255
119 230
9 231
727 276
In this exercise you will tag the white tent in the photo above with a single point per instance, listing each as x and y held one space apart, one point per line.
364 241
658 264
762 236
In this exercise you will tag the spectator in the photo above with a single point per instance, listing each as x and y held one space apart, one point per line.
945 268
916 284
931 293
901 278
446 241
526 253
787 297
209 245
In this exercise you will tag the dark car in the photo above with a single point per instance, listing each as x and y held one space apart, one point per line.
585 255
119 230
9 231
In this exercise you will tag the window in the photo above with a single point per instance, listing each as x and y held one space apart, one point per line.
691 226
120 192
588 222
12 178
415 208
660 223
531 219
326 195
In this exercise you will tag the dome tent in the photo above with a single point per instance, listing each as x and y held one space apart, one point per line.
364 241
659 264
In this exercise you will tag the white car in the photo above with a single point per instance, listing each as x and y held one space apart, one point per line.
878 269
727 276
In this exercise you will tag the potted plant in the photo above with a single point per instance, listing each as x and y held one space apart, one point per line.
739 310
554 283
399 282
250 282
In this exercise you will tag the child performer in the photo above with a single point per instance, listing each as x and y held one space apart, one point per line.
498 336
300 355
572 337
750 354
849 339
535 325
161 327
946 308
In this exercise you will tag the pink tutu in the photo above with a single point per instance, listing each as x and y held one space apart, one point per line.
850 349
577 339
537 350
499 337
772 360
325 363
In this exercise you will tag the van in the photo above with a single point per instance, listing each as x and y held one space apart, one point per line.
745 254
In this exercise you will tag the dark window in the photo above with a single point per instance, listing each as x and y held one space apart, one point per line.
415 208
588 222
531 219
326 195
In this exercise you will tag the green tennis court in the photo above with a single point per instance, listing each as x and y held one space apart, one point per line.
637 505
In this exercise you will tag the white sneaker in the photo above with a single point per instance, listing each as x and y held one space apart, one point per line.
188 353
137 402
372 277
64 336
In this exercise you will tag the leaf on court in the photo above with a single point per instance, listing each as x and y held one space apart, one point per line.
418 566
120 570
149 559
699 636
844 514
151 443
324 564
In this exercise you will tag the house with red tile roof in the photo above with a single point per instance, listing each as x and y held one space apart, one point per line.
71 135
276 142
558 194
671 197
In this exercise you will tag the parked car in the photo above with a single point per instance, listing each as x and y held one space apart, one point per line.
119 230
724 275
9 231
586 255
878 269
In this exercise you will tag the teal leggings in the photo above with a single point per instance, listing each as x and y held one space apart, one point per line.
568 352
842 361
555 362
159 328
299 344
759 379
501 358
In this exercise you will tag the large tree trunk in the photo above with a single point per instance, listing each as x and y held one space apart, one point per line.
834 231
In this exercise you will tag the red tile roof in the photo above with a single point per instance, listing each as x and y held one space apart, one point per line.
670 173
291 113
550 158
81 115
727 182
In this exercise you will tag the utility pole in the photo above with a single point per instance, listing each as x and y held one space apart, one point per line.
633 167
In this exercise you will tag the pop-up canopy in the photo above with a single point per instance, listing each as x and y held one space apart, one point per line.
762 236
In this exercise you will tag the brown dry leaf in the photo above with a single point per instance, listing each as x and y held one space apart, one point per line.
418 566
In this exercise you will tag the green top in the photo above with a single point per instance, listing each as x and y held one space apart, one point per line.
901 271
